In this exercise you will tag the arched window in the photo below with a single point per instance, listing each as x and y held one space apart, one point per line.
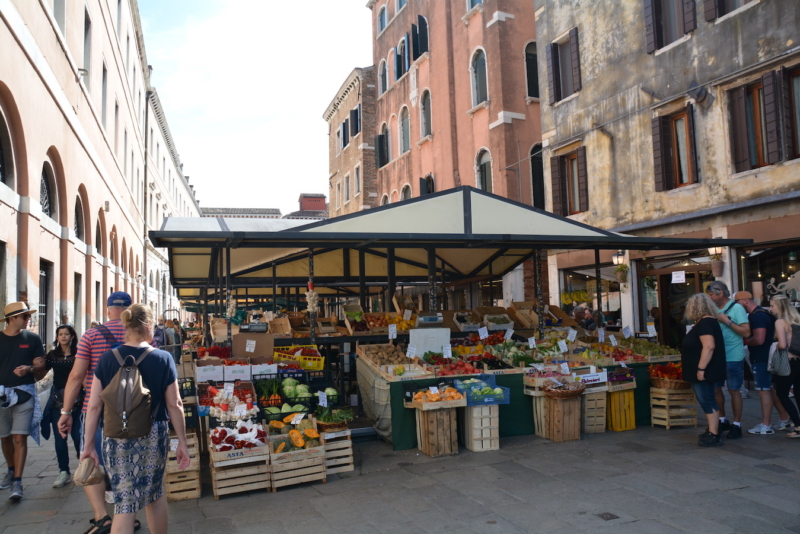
98 239
405 131
532 70
480 86
78 224
484 173
47 189
112 240
401 59
384 200
381 19
427 185
537 176
425 114
150 281
383 78
405 194
400 5
6 160
387 139
473 3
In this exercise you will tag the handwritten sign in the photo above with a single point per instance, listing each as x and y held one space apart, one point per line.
323 399
613 339
392 331
651 330
406 315
433 389
565 368
531 342
250 345
572 335
227 390
679 277
509 333
562 345
411 351
627 332
447 351
240 410
538 367
601 335
483 332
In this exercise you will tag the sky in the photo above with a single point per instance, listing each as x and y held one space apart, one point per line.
244 85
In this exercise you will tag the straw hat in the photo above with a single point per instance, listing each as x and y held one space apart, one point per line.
14 309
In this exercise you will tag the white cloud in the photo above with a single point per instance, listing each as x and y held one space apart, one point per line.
244 85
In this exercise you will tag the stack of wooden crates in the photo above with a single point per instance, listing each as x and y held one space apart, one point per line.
241 470
183 484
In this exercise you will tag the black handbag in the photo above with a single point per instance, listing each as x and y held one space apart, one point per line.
794 346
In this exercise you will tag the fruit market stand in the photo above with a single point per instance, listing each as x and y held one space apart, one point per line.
462 235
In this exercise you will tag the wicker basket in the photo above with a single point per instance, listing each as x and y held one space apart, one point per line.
564 393
666 383
331 427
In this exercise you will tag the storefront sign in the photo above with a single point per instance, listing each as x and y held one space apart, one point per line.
679 277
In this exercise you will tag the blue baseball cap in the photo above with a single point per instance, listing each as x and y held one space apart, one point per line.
119 299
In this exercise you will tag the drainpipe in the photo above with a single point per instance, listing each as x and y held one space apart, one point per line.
144 192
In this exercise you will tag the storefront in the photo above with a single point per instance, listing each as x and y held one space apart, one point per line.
770 269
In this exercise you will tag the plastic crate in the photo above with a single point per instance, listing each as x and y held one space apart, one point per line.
312 363
279 416
489 380
319 380
300 376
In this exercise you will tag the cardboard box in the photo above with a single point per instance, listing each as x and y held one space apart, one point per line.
280 327
238 372
523 312
262 365
209 369
407 301
488 321
250 344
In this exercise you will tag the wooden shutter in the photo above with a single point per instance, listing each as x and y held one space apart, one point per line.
557 188
692 142
354 126
423 34
710 9
689 16
662 154
576 60
739 144
652 27
396 64
380 156
786 111
423 187
407 54
345 133
771 121
553 87
414 42
583 180
532 74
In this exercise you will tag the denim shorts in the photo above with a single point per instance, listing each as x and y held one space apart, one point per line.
735 375
762 376
705 396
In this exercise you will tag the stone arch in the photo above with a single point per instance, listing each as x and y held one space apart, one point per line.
9 115
88 230
113 253
103 245
60 183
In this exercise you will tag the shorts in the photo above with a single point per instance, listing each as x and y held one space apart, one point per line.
17 419
735 376
762 376
98 438
705 396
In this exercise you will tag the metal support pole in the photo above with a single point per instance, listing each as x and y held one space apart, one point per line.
274 291
228 291
537 273
599 282
206 327
362 284
491 286
432 280
392 278
312 311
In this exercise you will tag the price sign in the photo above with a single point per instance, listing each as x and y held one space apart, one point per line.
601 335
572 335
250 346
447 351
433 389
623 364
227 390
392 331
483 332
509 333
411 351
627 332
406 315
323 399
173 445
562 346
613 340
531 342
651 330
240 410
679 277
565 368
297 418
538 367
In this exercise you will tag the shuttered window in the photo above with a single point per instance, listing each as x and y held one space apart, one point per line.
791 112
717 8
563 67
755 111
345 133
425 114
570 184
666 21
405 131
485 171
674 150
355 121
419 37
401 58
382 19
480 85
532 70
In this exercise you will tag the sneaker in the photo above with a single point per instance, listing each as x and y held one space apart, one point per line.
762 429
735 432
724 426
782 425
710 440
6 482
16 491
744 393
63 478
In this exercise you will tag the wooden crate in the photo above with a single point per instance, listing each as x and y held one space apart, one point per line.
621 414
237 476
194 453
338 451
481 427
593 410
563 419
539 413
673 407
437 432
289 468
183 485
621 385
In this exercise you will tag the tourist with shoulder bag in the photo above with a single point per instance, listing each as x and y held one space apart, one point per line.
787 358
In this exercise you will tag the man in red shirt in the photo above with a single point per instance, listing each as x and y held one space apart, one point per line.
91 346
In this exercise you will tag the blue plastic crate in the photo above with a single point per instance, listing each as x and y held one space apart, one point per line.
489 380
475 399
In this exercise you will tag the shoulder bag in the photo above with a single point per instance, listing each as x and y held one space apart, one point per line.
779 364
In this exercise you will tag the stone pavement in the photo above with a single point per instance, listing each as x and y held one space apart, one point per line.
649 480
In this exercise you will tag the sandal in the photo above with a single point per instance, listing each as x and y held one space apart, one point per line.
795 434
136 525
99 526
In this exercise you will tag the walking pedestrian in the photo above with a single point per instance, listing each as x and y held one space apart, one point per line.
762 329
136 466
172 340
61 360
735 328
703 362
93 344
21 354
787 316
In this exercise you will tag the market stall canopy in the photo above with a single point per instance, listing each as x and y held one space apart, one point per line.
472 234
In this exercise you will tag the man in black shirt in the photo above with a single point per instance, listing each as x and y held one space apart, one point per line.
20 355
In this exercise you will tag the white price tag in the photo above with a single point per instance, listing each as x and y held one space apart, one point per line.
531 342
406 315
483 332
250 346
447 351
562 346
592 369
679 277
297 418
565 368
572 335
433 389
411 351
392 331
240 410
613 339
651 330
323 399
622 364
627 332
538 367
601 335
509 333
227 390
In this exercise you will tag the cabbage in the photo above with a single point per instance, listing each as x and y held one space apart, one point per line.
304 395
331 392
300 388
498 391
298 408
273 410
289 382
287 408
289 391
